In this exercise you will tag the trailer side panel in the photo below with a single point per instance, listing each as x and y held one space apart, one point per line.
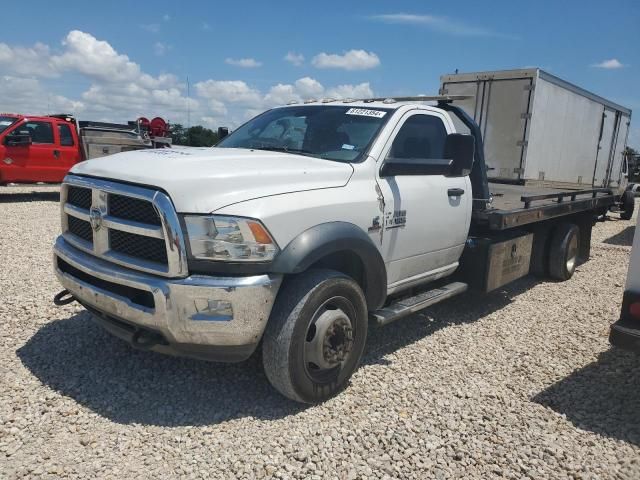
563 141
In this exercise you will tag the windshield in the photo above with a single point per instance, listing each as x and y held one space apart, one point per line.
333 132
6 122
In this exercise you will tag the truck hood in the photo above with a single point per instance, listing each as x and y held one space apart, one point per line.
202 180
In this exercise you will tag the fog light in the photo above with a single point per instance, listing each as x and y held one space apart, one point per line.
212 310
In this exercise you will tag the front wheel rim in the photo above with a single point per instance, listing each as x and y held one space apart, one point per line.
329 340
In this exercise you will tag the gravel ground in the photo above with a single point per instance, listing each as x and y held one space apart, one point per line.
518 384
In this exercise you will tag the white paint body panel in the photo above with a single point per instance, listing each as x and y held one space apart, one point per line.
202 180
432 218
633 274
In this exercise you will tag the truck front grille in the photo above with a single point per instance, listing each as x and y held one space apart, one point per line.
132 226
81 229
129 208
151 249
79 197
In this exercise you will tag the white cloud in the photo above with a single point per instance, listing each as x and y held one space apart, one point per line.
610 64
437 23
309 87
112 87
234 91
166 17
205 26
243 62
160 49
362 90
26 60
27 95
351 60
293 58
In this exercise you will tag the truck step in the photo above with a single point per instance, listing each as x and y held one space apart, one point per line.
406 306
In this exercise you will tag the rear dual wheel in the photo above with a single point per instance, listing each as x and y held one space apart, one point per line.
315 336
564 251
628 204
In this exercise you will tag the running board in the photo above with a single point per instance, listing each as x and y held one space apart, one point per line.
407 306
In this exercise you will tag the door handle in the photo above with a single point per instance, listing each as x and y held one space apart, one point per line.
455 192
56 153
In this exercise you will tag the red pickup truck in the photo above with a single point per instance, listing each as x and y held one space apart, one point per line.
44 148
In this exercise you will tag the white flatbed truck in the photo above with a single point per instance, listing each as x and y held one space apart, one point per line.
300 229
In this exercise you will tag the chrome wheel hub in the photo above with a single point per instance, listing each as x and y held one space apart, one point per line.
329 340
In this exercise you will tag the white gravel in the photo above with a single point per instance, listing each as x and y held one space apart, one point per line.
519 384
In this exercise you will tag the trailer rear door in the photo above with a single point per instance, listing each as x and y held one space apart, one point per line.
501 108
605 147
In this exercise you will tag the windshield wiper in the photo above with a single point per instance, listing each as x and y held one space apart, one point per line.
285 150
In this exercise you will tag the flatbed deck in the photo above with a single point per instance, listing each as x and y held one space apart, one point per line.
517 205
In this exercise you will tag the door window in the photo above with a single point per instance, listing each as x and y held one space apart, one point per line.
40 132
66 138
421 137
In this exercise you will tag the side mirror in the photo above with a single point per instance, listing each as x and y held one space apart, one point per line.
17 139
460 148
415 166
222 132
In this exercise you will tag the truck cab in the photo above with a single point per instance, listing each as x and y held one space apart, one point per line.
36 149
299 229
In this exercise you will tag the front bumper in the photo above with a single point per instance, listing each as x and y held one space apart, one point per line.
214 318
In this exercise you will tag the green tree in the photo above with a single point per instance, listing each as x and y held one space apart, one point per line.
199 136
178 134
196 136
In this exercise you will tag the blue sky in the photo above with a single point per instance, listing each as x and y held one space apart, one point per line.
116 60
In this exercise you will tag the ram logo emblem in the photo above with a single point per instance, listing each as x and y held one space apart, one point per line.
95 218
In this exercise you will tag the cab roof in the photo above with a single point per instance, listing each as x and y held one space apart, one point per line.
392 103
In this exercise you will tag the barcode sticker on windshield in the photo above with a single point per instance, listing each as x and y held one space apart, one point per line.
365 112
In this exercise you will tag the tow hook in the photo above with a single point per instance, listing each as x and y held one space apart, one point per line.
63 298
145 340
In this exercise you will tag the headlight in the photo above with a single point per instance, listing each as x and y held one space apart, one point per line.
229 239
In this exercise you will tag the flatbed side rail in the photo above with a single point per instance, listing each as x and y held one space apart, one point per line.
560 196
571 202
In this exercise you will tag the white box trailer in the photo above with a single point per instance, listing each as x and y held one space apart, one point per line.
539 129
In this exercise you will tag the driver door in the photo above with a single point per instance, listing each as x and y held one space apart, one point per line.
426 217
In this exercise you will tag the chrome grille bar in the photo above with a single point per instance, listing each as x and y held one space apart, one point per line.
103 223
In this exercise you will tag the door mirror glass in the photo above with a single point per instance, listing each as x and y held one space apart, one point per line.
460 148
17 139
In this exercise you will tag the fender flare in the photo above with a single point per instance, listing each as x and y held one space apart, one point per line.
326 238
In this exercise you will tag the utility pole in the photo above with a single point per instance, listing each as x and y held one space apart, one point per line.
188 112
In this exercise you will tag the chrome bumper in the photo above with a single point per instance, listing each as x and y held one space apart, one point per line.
190 313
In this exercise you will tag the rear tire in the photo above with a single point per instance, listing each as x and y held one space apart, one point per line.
628 204
564 251
315 336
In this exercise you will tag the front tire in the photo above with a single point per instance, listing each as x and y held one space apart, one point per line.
315 336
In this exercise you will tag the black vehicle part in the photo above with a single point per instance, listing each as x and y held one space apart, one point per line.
316 335
564 251
328 239
628 202
63 298
143 339
478 175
